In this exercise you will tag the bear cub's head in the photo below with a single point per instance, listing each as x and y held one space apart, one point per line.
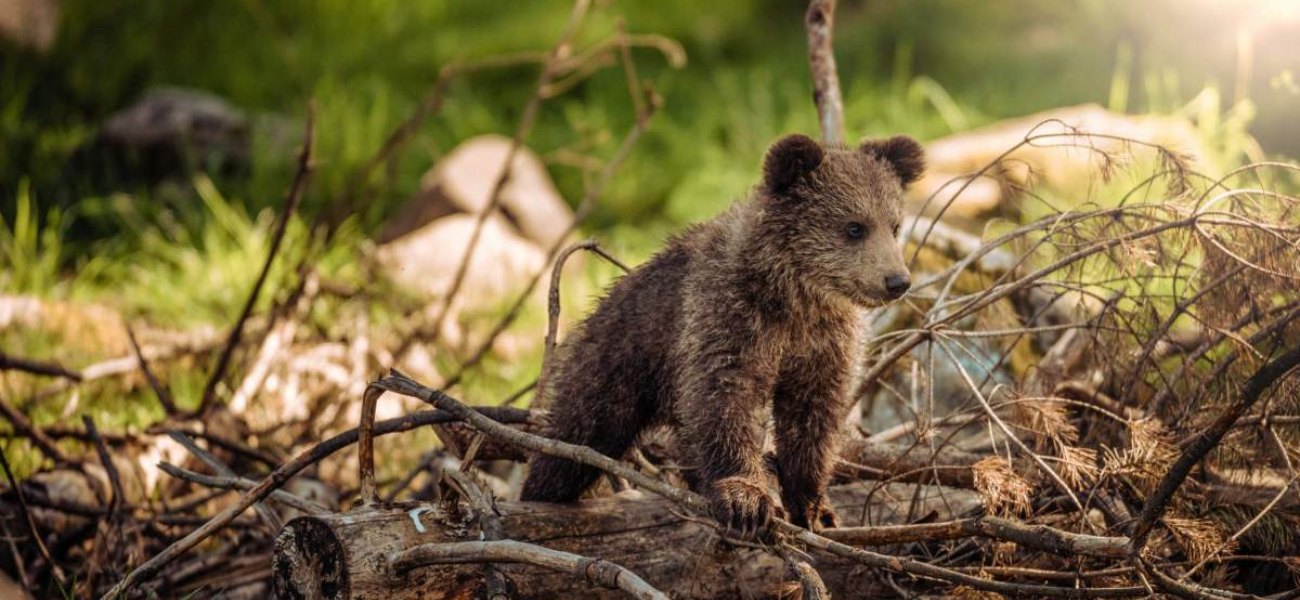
838 213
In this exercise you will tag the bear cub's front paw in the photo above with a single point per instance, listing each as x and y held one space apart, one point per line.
743 506
815 515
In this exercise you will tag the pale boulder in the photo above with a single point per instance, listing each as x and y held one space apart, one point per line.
1060 156
467 176
426 260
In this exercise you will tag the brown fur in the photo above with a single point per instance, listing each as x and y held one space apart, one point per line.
752 315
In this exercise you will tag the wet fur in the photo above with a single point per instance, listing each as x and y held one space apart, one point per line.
752 316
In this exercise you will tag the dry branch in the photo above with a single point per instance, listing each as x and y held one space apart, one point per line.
595 571
23 426
1037 537
674 552
1206 440
820 23
240 483
37 367
278 478
402 384
159 390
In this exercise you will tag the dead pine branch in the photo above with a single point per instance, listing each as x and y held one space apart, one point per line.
1206 440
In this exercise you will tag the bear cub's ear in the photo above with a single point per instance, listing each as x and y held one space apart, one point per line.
903 154
790 158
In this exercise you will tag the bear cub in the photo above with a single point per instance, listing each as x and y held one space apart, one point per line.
753 316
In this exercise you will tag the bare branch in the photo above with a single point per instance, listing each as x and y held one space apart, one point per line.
820 22
36 367
593 570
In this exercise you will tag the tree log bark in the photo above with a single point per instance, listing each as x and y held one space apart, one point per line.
347 555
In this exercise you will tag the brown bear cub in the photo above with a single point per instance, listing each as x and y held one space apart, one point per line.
753 315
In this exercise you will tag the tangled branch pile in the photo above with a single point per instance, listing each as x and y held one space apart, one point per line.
1099 401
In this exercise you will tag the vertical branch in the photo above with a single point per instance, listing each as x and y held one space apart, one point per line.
366 445
553 305
820 20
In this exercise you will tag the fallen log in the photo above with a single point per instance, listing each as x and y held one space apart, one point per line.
351 555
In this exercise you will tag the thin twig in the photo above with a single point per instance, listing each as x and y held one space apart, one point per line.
243 484
164 397
264 512
282 475
109 530
1038 537
553 303
37 367
277 238
23 426
29 521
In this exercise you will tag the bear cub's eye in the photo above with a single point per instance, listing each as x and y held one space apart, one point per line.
856 231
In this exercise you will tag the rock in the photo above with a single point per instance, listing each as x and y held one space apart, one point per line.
963 197
31 23
170 133
1056 161
463 182
426 261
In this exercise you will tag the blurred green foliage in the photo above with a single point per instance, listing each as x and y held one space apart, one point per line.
925 67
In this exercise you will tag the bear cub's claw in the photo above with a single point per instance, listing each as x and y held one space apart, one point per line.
816 515
743 506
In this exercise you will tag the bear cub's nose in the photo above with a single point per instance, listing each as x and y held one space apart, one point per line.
897 285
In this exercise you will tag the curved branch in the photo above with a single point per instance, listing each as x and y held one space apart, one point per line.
593 570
